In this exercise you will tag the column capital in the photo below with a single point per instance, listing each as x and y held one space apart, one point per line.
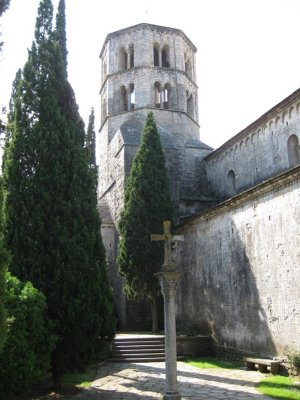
168 281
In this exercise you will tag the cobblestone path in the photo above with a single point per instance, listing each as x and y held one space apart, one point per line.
145 381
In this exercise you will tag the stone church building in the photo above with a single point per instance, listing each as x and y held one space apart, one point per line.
237 206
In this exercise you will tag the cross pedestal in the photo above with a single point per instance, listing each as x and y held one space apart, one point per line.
168 279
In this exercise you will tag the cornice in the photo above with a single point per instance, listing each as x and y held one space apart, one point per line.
159 28
273 112
263 188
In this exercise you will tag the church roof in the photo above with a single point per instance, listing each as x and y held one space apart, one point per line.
256 124
159 28
197 144
132 129
104 212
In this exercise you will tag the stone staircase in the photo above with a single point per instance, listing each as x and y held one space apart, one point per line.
138 349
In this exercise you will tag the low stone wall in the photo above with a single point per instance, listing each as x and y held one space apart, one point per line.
198 346
232 353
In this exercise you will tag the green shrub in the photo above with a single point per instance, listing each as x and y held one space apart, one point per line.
25 357
293 357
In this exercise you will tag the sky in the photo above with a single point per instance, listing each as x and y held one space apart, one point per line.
248 52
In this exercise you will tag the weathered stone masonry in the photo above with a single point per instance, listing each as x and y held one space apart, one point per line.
241 270
148 68
267 147
240 259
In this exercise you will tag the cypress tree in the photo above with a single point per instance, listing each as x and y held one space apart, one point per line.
4 4
90 140
53 222
3 266
147 204
60 32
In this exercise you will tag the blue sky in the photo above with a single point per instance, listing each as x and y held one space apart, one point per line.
248 55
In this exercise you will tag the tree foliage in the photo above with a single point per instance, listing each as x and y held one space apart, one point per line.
60 32
53 223
90 140
147 204
4 4
3 266
26 354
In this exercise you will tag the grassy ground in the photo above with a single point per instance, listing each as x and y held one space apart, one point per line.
280 387
81 379
211 362
73 383
274 386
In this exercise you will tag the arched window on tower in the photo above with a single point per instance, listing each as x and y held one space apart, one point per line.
131 97
190 104
103 109
157 94
104 68
123 99
122 59
167 92
293 150
165 56
156 55
188 68
231 183
131 56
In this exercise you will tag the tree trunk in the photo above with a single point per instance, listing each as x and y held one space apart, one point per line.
57 377
153 304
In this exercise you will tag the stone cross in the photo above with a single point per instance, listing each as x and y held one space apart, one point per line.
168 239
168 279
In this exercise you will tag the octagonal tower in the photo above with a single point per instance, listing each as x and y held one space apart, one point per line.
148 68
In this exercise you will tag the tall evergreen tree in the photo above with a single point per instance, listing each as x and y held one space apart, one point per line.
147 204
90 140
53 222
3 266
60 32
4 4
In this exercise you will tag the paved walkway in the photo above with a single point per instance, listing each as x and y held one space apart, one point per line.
145 381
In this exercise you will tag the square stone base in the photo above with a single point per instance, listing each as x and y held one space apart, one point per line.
171 396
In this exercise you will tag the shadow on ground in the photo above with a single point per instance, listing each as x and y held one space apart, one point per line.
147 381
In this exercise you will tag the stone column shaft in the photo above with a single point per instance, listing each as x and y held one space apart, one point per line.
159 58
161 97
168 281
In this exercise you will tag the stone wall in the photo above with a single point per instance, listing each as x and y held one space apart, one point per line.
118 142
240 269
262 150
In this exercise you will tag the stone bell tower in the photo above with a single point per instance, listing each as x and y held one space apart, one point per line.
148 68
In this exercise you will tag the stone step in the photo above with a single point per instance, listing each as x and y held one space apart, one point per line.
137 360
140 341
138 349
130 350
141 355
149 348
138 346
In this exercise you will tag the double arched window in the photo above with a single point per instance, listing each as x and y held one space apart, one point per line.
162 95
126 98
161 57
126 58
